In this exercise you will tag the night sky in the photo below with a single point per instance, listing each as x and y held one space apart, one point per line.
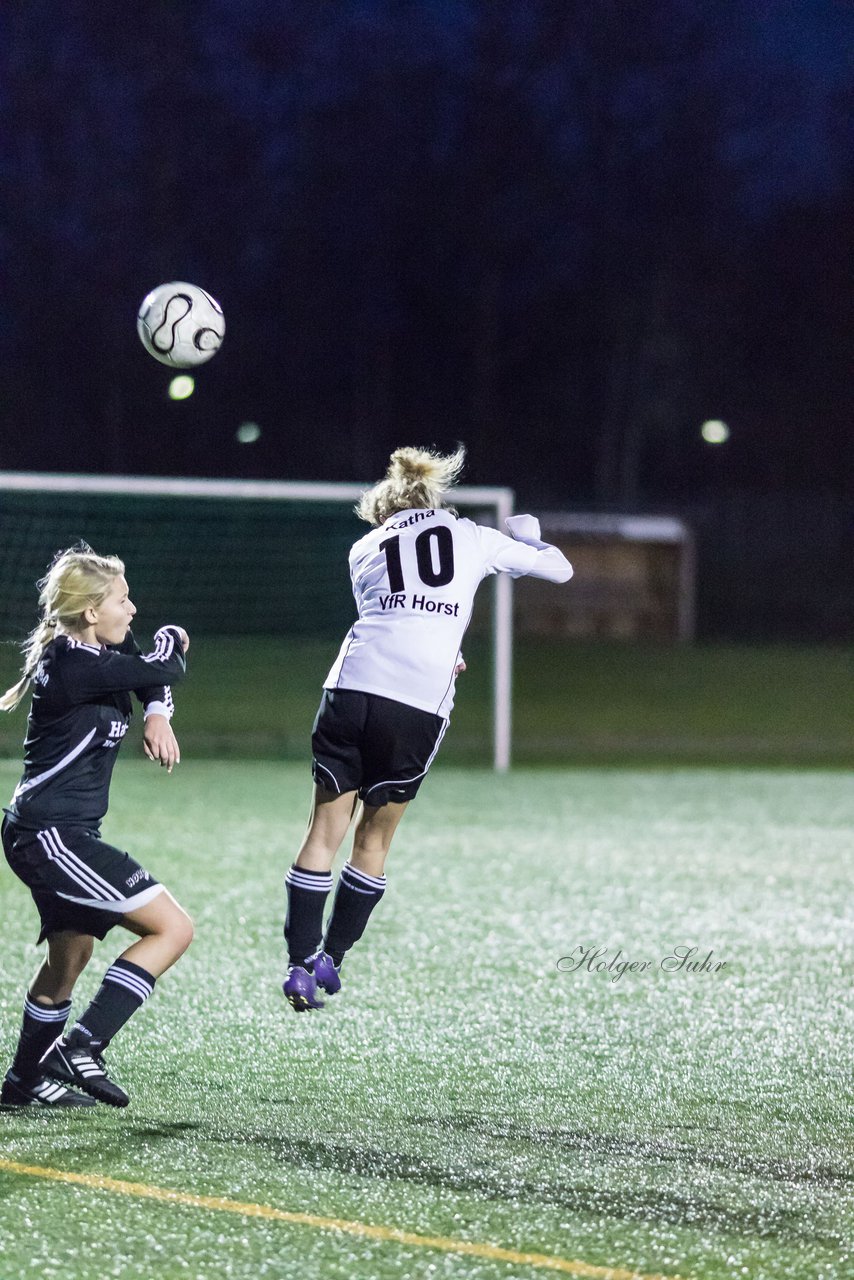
563 233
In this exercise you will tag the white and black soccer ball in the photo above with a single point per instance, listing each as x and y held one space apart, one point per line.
180 324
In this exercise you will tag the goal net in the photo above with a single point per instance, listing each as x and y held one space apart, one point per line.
225 557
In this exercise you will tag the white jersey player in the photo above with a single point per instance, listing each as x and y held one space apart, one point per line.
389 694
414 579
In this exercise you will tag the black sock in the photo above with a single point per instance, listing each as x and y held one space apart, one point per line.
355 898
124 989
42 1025
307 892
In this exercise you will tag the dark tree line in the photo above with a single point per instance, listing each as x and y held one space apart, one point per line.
558 231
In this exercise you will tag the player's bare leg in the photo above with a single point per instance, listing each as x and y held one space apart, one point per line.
46 1009
361 886
67 956
308 884
165 931
328 823
374 833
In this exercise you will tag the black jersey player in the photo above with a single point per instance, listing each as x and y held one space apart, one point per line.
389 694
83 664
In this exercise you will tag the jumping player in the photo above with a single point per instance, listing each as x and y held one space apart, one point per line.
387 699
83 664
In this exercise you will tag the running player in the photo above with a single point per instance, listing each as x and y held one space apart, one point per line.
387 699
83 664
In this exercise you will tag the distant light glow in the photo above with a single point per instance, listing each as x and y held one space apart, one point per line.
248 432
181 387
714 431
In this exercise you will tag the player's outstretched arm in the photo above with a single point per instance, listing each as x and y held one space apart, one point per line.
524 552
86 671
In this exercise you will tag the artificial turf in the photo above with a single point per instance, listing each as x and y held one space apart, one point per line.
464 1085
578 702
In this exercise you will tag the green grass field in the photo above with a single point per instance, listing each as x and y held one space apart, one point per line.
575 702
464 1108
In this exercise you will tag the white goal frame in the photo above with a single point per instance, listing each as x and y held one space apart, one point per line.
497 499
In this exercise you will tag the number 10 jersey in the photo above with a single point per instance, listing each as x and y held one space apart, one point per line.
414 580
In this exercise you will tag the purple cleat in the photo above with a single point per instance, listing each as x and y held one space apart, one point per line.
300 988
327 973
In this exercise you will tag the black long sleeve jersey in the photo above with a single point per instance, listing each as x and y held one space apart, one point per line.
80 713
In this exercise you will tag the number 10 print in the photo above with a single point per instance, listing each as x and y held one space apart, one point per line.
429 575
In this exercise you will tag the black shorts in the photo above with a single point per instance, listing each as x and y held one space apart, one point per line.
78 881
376 746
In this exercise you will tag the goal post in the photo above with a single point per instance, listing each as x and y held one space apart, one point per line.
144 515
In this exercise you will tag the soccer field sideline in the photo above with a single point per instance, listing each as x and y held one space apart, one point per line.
673 1125
390 1234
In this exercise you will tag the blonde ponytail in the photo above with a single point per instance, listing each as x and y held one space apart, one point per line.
76 579
416 478
33 648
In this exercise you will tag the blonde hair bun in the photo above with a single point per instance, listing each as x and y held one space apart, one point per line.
415 479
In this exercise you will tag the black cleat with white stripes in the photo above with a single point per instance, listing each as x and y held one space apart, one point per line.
41 1092
76 1064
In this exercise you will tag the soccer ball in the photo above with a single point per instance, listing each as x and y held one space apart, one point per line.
180 324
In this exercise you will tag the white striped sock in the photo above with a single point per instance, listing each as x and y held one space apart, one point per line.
314 883
357 879
46 1013
134 982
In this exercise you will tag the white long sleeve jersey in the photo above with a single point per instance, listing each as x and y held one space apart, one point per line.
414 580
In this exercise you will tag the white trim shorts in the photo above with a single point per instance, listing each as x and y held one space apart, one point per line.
373 745
78 881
